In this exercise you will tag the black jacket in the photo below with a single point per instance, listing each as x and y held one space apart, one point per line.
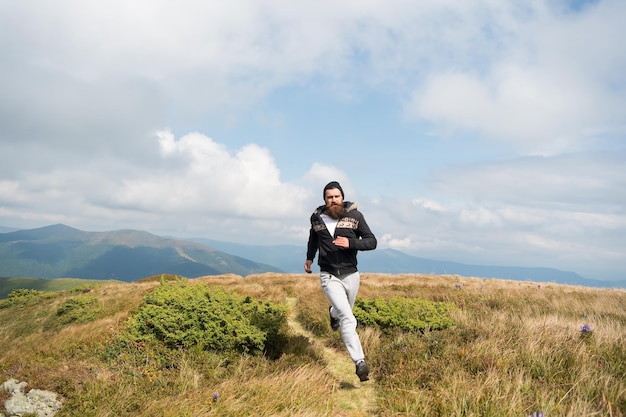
332 258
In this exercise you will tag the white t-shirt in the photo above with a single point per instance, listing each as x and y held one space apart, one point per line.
331 224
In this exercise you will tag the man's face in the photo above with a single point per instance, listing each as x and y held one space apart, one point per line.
333 197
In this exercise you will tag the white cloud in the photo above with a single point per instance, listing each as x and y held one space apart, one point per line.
561 211
210 178
523 73
430 204
560 75
198 185
583 180
497 233
527 107
388 240
482 217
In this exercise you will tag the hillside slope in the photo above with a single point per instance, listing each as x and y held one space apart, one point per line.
515 349
126 255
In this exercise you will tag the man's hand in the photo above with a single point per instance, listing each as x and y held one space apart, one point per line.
342 242
307 266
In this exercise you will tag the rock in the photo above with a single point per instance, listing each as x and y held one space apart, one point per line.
40 402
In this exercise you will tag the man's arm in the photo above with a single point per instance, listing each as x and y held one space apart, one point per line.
366 240
311 250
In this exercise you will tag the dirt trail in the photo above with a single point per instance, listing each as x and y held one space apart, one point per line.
353 397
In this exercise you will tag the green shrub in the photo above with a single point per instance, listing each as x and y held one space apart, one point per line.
399 313
25 297
77 310
180 315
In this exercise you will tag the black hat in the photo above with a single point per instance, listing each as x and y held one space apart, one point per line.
330 186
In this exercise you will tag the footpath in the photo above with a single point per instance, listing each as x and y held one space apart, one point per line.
354 398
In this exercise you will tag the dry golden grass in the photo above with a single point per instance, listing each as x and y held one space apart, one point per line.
516 348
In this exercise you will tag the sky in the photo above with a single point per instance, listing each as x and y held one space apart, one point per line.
478 131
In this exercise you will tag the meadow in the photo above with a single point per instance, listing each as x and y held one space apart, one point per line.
480 347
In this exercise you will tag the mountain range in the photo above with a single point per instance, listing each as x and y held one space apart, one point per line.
129 255
390 261
125 255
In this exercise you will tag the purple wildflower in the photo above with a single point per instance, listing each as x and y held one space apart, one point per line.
536 414
216 396
585 330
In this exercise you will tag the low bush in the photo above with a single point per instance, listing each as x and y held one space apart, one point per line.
25 297
400 313
77 310
180 315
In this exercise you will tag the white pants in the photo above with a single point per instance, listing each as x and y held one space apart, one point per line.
341 291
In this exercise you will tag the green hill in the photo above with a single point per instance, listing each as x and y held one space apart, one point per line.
127 255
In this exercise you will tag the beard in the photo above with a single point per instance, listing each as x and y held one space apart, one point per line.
335 211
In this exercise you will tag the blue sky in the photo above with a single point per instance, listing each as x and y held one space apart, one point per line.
487 132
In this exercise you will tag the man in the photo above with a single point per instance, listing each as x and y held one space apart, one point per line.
338 231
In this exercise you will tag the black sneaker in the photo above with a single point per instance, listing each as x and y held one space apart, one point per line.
363 371
334 323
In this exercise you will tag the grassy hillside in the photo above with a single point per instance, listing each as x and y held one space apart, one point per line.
513 348
9 284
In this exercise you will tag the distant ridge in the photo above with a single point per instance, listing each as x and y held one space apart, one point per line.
127 255
7 229
60 251
391 261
